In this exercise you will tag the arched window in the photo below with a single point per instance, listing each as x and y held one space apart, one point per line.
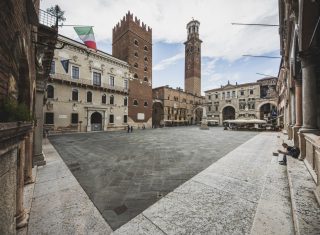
145 48
145 69
145 79
135 75
135 102
136 54
145 58
136 65
89 96
50 92
75 94
145 104
125 101
104 99
112 99
136 42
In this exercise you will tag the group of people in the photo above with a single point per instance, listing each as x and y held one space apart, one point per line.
129 128
290 151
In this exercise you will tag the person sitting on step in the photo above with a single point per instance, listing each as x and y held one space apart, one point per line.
290 151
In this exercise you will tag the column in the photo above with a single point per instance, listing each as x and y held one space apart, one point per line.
298 111
309 100
28 178
21 215
38 129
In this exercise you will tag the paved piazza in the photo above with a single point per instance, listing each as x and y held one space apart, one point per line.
124 173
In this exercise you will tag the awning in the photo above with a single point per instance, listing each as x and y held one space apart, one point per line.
246 121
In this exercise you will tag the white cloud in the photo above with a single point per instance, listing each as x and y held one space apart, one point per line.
168 20
163 64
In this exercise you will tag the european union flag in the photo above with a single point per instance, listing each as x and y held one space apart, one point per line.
65 65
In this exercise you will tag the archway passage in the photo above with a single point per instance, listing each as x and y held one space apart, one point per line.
268 112
229 113
96 121
157 114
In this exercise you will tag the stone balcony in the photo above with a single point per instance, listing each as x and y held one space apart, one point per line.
65 78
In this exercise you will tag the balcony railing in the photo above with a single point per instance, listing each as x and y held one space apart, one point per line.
47 19
65 77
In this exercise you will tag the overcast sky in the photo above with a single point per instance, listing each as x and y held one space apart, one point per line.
223 44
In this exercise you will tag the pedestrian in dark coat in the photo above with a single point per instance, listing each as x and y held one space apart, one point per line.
131 128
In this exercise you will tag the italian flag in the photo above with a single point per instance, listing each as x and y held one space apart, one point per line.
85 33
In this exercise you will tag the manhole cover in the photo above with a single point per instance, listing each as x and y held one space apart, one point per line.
120 209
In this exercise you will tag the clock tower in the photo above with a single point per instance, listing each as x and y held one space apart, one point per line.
193 59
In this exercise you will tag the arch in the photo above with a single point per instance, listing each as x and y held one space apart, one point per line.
75 94
96 121
145 104
136 65
135 102
157 114
135 75
268 111
111 99
145 79
228 113
274 103
104 99
145 68
145 48
50 92
145 58
136 42
136 54
89 96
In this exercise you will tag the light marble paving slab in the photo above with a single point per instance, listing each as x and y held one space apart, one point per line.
195 208
60 205
139 225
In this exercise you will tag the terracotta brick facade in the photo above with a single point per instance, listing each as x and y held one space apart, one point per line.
132 42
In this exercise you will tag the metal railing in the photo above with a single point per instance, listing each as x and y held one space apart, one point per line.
66 77
47 19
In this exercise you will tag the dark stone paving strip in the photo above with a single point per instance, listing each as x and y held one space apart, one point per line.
124 173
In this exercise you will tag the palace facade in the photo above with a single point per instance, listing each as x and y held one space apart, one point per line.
87 90
256 100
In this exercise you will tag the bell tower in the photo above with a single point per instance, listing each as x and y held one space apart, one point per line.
192 78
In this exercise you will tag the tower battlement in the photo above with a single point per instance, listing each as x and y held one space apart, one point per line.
134 24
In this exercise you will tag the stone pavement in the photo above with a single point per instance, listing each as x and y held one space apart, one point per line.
125 173
59 204
245 192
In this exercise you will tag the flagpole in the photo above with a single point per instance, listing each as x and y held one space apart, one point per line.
75 25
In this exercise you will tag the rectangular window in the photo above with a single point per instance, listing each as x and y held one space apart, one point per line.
111 81
111 118
74 118
217 96
241 92
75 72
233 94
53 67
126 84
251 92
49 118
209 108
228 94
217 108
96 78
209 97
125 118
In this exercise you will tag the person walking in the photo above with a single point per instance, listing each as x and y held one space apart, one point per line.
131 128
128 129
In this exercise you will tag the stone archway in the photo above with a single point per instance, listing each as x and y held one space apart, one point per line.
268 111
96 121
228 113
157 114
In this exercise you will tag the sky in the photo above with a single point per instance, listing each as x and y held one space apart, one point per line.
223 44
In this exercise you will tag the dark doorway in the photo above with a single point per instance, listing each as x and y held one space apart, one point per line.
229 113
96 122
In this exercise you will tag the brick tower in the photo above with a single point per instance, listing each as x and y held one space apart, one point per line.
193 59
132 42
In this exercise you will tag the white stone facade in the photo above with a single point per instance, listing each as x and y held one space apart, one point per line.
242 101
92 95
